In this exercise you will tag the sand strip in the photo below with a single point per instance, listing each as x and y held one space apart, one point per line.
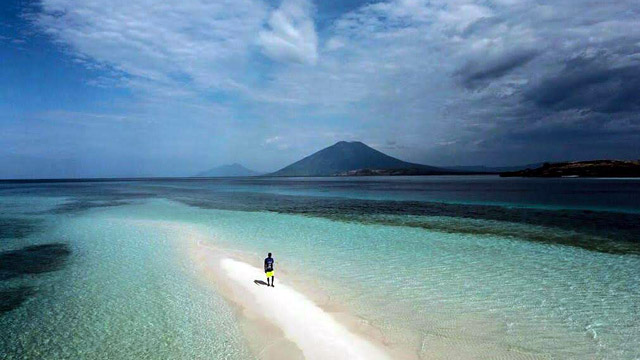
282 322
314 331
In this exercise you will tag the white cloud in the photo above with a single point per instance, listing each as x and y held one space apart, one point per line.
158 45
334 44
390 69
291 36
272 140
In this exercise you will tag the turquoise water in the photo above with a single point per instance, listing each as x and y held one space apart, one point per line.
125 293
449 272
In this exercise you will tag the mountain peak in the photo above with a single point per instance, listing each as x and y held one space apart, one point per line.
230 170
349 143
345 156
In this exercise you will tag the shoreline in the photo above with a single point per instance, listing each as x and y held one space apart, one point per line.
268 339
290 321
456 334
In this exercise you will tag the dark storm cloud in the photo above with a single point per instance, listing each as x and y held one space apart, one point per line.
574 98
479 72
588 86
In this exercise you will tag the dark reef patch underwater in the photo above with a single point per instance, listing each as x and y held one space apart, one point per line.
30 260
34 259
17 228
12 298
604 231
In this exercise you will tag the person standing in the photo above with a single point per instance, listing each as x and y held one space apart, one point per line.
268 269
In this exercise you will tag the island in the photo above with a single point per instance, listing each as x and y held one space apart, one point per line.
397 172
354 158
592 168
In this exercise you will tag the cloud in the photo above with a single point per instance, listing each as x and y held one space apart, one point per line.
592 84
195 44
480 71
479 76
277 141
464 81
291 34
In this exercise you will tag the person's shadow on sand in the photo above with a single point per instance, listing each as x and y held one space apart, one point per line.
260 282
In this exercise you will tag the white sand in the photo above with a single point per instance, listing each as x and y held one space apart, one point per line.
315 332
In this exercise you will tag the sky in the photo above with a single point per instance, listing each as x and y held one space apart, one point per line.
125 88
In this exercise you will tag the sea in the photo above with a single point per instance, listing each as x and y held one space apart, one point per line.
468 267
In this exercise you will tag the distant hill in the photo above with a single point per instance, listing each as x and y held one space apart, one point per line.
233 170
593 168
355 159
495 169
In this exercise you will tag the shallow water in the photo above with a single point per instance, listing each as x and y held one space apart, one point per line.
471 267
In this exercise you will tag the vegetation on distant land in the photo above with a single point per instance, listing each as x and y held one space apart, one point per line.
592 168
395 172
